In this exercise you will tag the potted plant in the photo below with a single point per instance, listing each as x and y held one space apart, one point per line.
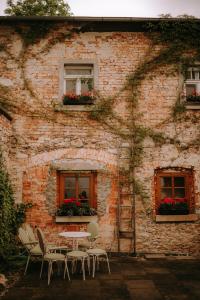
170 206
73 99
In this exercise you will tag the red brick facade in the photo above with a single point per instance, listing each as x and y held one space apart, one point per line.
48 137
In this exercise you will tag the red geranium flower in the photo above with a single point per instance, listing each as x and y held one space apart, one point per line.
168 200
180 200
69 200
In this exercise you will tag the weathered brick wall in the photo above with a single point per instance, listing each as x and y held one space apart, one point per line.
45 137
5 138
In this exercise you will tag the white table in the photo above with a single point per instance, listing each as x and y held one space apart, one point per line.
75 235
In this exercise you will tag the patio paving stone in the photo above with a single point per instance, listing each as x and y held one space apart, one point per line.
131 278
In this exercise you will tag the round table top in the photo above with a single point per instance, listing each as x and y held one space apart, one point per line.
74 234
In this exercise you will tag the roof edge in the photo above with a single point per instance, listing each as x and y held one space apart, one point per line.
90 19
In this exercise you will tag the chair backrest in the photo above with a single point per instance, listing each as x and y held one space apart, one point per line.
30 233
24 239
93 228
42 244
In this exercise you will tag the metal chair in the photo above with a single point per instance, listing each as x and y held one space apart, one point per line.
81 256
32 239
93 229
96 253
32 248
50 257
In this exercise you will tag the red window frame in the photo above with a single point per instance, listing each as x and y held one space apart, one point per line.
189 186
61 177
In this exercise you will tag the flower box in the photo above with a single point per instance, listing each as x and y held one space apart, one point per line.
72 99
73 211
193 98
76 219
170 206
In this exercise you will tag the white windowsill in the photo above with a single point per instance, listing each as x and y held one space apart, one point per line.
62 107
192 105
76 219
177 218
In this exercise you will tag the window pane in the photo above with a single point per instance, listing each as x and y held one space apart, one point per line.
70 187
166 193
84 182
188 75
84 191
86 85
166 181
70 86
69 70
190 89
179 193
69 194
70 182
179 181
193 74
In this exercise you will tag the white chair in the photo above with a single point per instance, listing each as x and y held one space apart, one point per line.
93 229
96 253
81 256
50 257
32 248
32 239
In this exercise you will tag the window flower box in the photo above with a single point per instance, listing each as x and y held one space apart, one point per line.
170 206
194 98
83 99
72 209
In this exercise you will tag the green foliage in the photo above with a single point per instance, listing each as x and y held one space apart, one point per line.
34 32
37 8
178 109
102 110
11 216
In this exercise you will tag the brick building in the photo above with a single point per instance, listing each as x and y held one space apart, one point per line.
57 151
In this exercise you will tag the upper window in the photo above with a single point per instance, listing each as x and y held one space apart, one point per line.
78 84
174 192
192 85
77 187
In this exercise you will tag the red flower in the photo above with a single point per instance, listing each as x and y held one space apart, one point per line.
168 201
69 200
180 200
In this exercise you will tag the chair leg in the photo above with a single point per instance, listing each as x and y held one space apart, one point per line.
83 267
108 263
49 271
27 263
94 262
41 268
88 263
66 269
97 257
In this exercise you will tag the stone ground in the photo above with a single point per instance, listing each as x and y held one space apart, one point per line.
169 278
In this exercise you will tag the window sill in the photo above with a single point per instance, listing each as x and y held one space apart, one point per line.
65 108
76 219
176 218
192 105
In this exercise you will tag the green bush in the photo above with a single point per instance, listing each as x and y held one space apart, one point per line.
11 215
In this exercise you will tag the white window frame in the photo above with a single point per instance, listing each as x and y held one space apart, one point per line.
78 77
193 80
